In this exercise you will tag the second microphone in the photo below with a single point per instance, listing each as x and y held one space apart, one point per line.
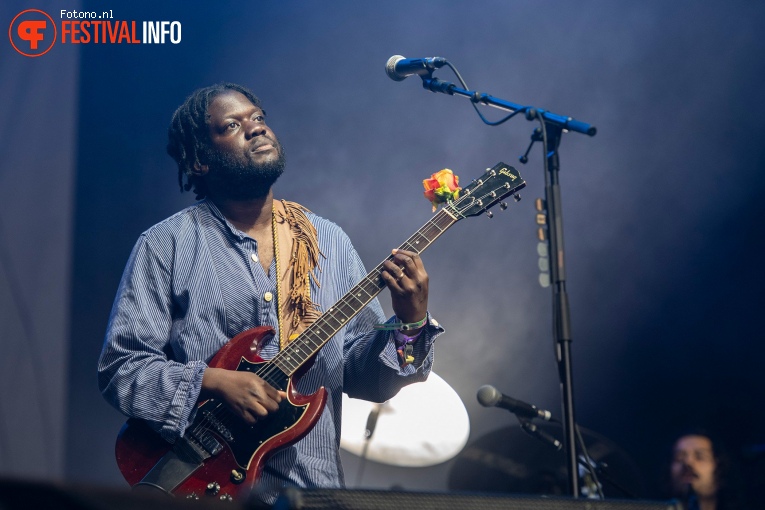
489 396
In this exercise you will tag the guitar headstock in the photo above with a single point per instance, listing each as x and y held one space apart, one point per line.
497 183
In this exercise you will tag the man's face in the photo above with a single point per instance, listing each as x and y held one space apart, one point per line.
694 464
244 157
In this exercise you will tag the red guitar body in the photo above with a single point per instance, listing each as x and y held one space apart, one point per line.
220 455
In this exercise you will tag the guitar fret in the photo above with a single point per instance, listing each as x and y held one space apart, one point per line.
418 244
434 223
353 297
297 353
329 322
338 310
317 325
286 358
347 309
433 231
359 290
315 336
283 364
373 286
445 220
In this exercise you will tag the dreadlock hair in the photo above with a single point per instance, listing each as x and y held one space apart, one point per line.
188 137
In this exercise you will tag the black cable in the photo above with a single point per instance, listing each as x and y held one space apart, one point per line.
592 469
476 99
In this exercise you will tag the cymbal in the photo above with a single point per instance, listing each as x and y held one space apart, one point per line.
509 460
424 424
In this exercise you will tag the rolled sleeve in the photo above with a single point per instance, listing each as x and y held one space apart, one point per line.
134 372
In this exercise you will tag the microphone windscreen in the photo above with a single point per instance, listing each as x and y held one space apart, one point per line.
488 396
390 68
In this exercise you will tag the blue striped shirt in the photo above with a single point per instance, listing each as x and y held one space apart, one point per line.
191 284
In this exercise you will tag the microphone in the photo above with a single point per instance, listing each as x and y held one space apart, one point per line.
489 396
399 68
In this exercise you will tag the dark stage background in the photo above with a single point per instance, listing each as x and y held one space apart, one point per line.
662 208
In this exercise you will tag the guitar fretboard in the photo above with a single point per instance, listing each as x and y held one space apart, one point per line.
325 327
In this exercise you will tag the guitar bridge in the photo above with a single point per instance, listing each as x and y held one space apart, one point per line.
206 442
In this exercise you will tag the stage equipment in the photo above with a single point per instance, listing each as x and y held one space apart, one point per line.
327 499
489 396
550 132
508 461
425 424
400 68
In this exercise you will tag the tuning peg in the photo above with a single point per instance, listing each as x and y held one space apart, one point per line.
503 205
517 197
490 214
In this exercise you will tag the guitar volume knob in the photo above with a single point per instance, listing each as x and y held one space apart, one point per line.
213 488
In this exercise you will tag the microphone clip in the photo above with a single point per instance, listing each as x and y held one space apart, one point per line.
436 85
540 434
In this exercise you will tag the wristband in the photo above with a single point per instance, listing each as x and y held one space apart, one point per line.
402 326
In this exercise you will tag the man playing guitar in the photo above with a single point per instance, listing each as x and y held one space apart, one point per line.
237 260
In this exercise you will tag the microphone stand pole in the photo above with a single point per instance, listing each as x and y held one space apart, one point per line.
554 126
561 315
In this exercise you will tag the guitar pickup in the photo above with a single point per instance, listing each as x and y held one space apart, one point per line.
218 426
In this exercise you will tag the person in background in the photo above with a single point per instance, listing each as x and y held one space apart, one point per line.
702 474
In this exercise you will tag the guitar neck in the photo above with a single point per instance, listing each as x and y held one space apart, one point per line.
325 327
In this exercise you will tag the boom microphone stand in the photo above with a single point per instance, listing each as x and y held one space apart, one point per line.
552 126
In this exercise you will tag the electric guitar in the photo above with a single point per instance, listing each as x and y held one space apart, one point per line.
220 456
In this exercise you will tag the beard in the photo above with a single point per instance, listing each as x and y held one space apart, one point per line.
242 179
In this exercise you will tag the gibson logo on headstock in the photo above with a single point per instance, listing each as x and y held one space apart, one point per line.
505 171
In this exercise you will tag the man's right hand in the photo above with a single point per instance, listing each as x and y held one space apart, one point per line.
249 396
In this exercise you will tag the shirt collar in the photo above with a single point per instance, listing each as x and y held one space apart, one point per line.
231 229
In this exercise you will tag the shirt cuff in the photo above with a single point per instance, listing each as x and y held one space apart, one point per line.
420 345
184 404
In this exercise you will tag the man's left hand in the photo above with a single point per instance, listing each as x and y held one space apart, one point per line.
407 280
